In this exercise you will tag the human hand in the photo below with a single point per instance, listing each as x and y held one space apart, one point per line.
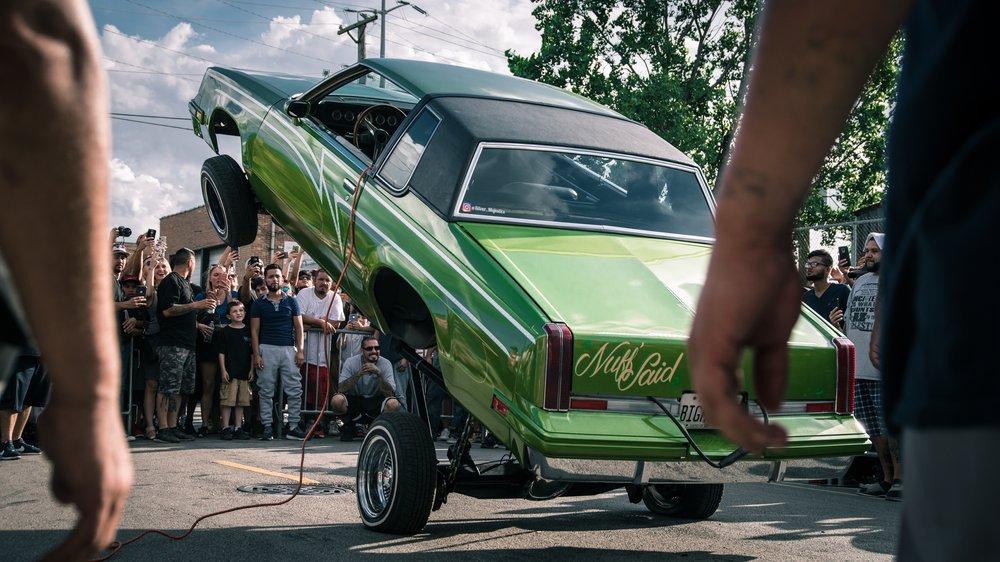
136 302
258 362
837 316
205 304
873 352
225 376
128 326
91 470
143 242
730 320
206 330
300 357
837 275
402 365
328 327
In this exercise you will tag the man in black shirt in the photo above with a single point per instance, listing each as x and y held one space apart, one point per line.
177 312
824 296
942 202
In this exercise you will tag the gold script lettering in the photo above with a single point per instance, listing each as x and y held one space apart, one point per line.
618 363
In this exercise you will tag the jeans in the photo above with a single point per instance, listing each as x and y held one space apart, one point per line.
403 379
279 361
434 395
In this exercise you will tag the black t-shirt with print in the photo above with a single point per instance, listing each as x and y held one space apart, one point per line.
234 343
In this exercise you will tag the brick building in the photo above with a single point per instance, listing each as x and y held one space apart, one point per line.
193 229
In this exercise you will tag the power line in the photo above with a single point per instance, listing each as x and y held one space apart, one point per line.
473 49
413 46
151 70
195 57
442 32
149 116
224 32
150 123
265 18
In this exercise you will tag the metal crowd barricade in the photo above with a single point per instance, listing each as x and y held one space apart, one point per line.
130 409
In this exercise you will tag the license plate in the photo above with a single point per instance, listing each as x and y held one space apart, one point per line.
691 413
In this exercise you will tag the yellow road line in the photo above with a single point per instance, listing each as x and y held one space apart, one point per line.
295 478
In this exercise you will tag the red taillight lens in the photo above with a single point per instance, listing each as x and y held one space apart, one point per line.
819 407
846 369
588 404
499 406
558 366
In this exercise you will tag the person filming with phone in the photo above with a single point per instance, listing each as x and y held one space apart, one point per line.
823 296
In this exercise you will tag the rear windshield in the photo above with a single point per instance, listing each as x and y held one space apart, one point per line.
564 187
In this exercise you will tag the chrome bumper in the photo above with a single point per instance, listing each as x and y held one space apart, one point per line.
651 472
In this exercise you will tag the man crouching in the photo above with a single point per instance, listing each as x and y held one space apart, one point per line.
367 386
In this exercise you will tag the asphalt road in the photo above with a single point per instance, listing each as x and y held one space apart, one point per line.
176 484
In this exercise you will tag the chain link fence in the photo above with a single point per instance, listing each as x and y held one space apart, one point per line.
834 235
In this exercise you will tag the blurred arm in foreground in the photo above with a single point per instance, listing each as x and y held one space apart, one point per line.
811 61
54 144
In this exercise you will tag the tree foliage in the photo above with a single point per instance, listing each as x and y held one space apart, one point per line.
680 68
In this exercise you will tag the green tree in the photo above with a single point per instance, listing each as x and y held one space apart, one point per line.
680 68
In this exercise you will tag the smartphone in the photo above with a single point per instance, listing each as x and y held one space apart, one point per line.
140 291
151 234
353 317
295 249
844 253
254 260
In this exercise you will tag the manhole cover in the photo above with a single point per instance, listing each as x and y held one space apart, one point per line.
289 489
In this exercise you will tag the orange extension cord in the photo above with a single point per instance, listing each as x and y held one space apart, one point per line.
117 546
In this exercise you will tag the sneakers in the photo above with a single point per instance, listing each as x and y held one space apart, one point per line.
25 448
9 453
444 435
166 436
347 433
227 434
295 434
268 434
489 442
896 492
241 435
183 436
875 488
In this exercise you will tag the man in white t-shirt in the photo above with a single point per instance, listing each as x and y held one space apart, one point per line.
321 321
859 320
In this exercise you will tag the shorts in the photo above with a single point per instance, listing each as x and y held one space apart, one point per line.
236 392
28 386
176 370
315 385
868 406
370 406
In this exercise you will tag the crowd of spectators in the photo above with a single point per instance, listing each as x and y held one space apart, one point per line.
847 296
253 351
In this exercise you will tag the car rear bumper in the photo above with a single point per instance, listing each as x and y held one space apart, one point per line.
661 472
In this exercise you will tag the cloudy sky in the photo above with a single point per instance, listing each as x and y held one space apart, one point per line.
156 52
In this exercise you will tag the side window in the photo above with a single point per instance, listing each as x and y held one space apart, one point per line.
404 158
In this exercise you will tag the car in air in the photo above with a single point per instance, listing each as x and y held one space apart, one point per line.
550 249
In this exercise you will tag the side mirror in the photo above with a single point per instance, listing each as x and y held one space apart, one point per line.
297 108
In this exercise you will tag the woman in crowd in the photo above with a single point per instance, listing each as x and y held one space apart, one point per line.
154 269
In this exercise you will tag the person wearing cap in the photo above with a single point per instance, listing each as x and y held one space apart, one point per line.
859 321
303 280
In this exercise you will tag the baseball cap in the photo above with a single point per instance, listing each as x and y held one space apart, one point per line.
119 249
129 279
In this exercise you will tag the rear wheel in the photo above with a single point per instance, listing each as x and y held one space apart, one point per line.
397 474
229 201
685 501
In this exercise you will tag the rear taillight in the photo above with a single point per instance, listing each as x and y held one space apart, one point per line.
846 368
588 404
558 366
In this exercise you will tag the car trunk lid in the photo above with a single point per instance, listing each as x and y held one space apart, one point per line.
629 302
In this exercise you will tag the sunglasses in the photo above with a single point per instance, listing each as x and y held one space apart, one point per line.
370 348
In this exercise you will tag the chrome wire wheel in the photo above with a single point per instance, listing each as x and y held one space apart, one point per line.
376 478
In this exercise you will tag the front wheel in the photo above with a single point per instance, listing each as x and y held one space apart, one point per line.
229 201
397 474
685 501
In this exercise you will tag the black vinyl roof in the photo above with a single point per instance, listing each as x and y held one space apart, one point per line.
468 121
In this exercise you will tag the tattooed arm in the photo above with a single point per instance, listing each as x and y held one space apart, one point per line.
812 59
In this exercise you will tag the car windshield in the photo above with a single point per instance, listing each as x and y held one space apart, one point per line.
583 189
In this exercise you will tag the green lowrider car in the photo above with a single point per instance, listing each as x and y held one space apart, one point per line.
550 248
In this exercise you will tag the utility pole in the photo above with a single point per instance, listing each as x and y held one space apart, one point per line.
360 25
383 12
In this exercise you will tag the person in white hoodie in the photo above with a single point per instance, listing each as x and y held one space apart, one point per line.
859 321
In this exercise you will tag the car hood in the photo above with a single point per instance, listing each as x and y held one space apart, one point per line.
606 283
